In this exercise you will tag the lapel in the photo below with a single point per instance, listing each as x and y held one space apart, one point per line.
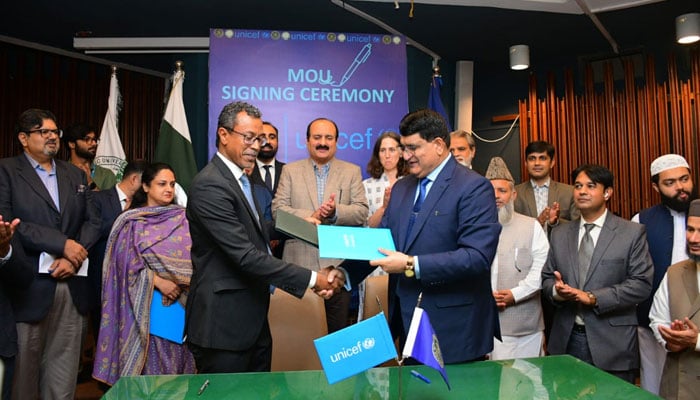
529 197
65 187
572 251
278 173
27 173
430 203
405 203
606 237
690 283
309 177
236 187
553 192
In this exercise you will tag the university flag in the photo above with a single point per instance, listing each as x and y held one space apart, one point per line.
356 348
435 102
422 343
174 142
110 153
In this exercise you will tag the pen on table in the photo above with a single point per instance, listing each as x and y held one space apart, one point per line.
203 387
419 376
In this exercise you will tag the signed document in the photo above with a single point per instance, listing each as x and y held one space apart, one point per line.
296 227
352 242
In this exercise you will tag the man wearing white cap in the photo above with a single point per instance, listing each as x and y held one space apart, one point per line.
516 272
675 318
665 223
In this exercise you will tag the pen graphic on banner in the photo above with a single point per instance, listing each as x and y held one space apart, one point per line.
360 58
419 376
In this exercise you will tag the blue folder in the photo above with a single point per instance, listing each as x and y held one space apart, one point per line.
167 322
356 348
353 243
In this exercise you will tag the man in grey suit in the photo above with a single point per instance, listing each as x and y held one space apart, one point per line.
226 315
597 271
541 197
53 201
326 190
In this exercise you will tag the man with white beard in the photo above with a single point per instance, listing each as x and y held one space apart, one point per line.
516 272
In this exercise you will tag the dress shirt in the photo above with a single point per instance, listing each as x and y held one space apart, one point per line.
237 173
541 195
660 314
48 179
271 169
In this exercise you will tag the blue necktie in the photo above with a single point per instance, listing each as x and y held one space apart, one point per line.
268 177
249 195
423 188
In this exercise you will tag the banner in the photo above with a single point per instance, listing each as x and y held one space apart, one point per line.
357 80
356 348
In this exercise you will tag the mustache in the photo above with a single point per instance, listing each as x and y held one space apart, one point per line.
322 147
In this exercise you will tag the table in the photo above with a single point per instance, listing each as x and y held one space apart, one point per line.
553 377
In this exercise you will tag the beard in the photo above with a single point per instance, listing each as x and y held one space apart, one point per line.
694 257
267 153
679 205
84 153
505 213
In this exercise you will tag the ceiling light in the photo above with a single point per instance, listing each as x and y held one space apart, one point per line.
519 57
688 28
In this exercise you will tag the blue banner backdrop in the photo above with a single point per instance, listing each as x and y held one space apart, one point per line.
357 80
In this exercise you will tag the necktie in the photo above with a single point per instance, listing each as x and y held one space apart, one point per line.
268 177
417 205
249 194
585 252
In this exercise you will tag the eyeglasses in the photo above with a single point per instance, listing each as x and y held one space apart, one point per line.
89 139
46 132
249 138
410 149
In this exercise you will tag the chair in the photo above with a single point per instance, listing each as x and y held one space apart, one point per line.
377 287
294 324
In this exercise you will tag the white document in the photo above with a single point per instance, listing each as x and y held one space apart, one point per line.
46 259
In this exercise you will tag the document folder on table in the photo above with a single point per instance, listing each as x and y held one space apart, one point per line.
296 227
352 242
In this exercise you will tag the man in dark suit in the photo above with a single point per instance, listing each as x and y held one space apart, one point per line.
226 315
444 222
268 169
15 275
59 224
597 271
109 204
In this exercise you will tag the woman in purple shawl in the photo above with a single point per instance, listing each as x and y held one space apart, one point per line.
148 250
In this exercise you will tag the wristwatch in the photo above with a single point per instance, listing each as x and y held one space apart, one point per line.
409 272
592 298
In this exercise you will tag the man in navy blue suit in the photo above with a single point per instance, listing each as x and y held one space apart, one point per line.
444 222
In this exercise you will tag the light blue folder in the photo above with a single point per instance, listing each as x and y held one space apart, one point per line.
356 348
353 243
167 322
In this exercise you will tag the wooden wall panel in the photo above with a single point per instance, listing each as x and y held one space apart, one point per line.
77 91
624 128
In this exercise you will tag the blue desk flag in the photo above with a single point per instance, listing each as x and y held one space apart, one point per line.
422 344
355 349
167 322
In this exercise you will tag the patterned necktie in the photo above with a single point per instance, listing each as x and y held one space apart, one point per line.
268 177
585 252
249 194
417 205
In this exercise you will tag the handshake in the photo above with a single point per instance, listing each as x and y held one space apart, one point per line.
329 281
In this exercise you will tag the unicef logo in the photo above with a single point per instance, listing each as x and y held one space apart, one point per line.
368 343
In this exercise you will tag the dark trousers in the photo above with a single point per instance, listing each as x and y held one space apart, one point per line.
578 347
9 364
258 358
338 310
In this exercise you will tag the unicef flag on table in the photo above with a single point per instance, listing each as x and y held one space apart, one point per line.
422 343
355 349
